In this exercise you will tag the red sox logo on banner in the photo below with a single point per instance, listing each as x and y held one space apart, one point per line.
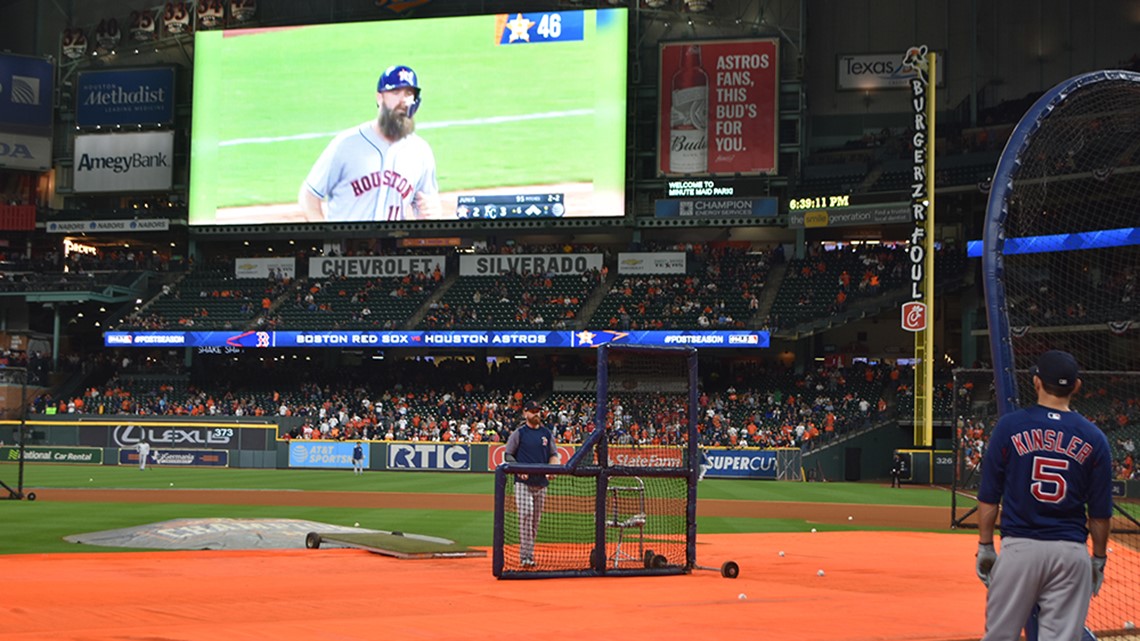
211 14
496 454
74 43
142 25
176 18
914 316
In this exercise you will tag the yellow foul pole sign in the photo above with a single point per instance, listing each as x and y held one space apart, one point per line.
918 311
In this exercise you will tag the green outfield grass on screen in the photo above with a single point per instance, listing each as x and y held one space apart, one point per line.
524 118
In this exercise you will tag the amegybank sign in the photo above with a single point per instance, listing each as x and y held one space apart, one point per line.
124 162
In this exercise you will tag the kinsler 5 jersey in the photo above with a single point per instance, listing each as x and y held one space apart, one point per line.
362 177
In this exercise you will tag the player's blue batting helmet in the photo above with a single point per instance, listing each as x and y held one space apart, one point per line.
398 76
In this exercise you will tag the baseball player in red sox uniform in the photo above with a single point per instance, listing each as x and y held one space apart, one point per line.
380 170
531 442
1044 464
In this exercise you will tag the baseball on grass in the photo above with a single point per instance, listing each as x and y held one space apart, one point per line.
813 530
742 596
819 573
357 524
171 485
90 480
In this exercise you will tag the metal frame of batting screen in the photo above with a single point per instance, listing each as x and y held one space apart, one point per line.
620 506
1062 156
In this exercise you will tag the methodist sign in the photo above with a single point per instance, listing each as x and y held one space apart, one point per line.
125 97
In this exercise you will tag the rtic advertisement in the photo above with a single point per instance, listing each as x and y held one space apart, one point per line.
718 107
428 456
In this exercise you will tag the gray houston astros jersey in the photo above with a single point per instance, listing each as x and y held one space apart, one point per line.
363 177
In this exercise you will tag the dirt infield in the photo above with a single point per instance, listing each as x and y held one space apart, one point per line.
893 516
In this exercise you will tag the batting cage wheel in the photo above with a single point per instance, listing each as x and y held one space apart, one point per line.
313 541
728 569
647 558
31 496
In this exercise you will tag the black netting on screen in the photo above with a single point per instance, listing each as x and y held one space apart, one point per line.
642 514
1061 262
646 401
1074 192
554 527
626 501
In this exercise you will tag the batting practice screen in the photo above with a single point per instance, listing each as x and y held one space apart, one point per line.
625 503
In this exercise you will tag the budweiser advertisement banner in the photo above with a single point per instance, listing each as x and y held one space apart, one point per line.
718 107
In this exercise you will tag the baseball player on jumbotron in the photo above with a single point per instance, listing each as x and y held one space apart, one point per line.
380 170
1045 464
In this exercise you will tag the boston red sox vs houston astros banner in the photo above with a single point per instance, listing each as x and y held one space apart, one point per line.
718 107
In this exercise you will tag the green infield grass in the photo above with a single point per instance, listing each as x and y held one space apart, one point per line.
39 526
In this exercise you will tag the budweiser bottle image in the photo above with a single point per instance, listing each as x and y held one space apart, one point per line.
688 116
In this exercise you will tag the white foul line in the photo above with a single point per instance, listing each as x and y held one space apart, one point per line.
493 120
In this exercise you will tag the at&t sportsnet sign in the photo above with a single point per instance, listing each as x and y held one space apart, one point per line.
321 454
125 97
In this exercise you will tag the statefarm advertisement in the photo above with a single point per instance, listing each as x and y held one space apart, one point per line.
718 107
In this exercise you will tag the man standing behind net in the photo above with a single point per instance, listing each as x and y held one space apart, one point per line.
1045 464
531 442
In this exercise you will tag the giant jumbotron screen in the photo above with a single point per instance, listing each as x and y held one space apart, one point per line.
523 116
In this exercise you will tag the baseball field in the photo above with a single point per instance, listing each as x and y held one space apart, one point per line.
818 561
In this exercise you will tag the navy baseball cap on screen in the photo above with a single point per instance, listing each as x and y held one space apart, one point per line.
532 406
1057 368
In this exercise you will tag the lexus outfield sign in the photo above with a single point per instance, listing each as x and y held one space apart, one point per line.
124 162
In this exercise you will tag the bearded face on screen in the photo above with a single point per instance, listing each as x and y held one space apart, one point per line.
395 123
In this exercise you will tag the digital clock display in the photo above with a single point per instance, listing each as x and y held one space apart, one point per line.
820 202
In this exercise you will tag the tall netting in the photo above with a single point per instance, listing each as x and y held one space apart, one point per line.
1061 259
1103 398
625 503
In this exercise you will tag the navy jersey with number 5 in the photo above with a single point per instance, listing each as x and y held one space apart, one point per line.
1047 465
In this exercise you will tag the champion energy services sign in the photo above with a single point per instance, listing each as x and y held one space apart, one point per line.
124 162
